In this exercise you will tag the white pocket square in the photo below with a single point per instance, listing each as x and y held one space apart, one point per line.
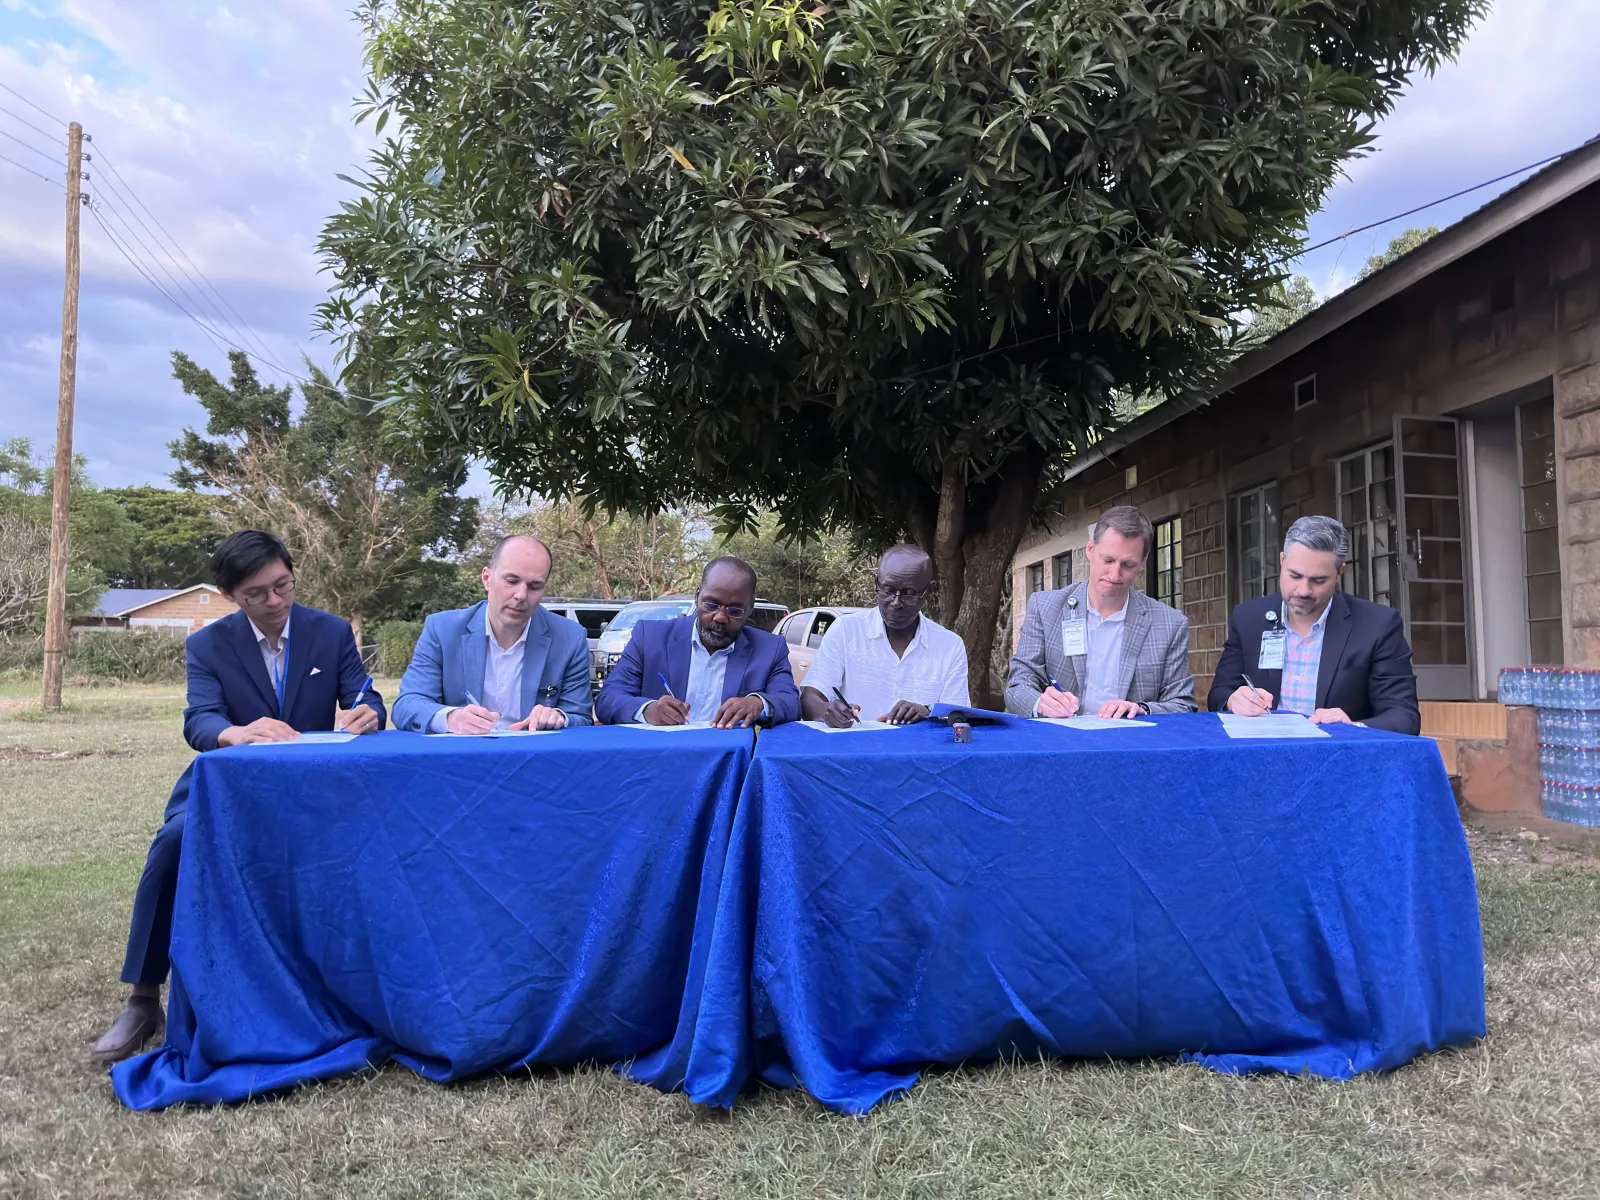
316 670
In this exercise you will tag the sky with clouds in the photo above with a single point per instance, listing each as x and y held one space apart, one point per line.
230 125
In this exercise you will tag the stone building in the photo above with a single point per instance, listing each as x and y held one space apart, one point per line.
1446 408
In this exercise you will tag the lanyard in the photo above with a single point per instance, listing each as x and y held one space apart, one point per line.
280 671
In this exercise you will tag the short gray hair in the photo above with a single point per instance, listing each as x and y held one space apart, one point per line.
1323 535
1127 520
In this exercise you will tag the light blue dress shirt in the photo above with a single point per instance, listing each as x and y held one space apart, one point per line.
707 674
1103 664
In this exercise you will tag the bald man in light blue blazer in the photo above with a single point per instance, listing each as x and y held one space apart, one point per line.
504 663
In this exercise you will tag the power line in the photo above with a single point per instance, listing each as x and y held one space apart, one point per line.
1050 337
39 174
105 194
32 105
1410 212
22 120
260 344
35 149
217 338
94 209
131 235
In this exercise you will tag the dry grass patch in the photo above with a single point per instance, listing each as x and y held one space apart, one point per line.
1513 1117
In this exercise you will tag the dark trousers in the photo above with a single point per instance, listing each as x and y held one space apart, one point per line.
150 931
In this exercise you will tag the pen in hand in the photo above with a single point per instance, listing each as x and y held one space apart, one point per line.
1250 683
356 703
846 703
666 685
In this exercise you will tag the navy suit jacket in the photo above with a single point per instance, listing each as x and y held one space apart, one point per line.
229 683
759 663
454 647
1365 667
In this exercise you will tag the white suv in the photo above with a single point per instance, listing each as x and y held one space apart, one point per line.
803 631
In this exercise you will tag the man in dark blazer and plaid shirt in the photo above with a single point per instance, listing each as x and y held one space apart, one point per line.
1128 654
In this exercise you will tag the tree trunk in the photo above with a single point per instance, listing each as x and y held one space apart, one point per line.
949 532
996 518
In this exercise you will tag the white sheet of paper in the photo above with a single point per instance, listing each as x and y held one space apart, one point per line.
1271 725
318 738
858 727
667 728
1093 723
498 733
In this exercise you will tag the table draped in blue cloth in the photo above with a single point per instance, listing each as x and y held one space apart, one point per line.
893 900
457 905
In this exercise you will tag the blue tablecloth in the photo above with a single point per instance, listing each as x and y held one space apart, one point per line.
894 900
458 905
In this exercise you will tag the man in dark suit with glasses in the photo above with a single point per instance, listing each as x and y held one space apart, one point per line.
706 668
267 673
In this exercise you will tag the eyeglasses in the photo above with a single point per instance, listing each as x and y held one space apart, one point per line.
736 612
904 595
254 596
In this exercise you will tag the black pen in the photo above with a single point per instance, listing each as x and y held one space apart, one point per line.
846 703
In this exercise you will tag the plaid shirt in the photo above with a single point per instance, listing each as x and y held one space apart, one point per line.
1302 657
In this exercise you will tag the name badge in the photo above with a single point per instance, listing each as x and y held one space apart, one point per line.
1075 637
1273 642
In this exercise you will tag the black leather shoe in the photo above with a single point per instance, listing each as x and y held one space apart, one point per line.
139 1021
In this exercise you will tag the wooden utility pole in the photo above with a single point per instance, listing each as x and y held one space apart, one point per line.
55 617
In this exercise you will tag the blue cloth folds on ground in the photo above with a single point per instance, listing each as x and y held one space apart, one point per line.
456 905
895 900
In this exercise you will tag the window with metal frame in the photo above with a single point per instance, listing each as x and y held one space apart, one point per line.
1035 577
1365 482
1166 563
1253 542
1061 570
1541 536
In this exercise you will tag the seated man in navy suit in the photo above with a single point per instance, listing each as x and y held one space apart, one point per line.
707 667
504 663
1312 649
266 673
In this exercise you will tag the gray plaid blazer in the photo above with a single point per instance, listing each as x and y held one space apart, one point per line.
1155 654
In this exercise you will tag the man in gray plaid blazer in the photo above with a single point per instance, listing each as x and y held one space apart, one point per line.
1100 647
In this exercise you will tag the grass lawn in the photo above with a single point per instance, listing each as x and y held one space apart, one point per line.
80 796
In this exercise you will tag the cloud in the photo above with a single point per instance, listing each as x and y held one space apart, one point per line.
1522 89
224 127
231 121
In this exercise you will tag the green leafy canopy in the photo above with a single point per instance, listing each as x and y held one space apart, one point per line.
829 258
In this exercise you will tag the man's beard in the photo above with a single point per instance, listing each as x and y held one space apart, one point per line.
716 638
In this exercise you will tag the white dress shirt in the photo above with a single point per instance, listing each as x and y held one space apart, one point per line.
1103 665
276 660
855 657
502 678
502 683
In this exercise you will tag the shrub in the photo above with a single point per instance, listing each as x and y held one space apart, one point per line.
396 642
21 656
129 656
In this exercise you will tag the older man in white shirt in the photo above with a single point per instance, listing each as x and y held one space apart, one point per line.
891 663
